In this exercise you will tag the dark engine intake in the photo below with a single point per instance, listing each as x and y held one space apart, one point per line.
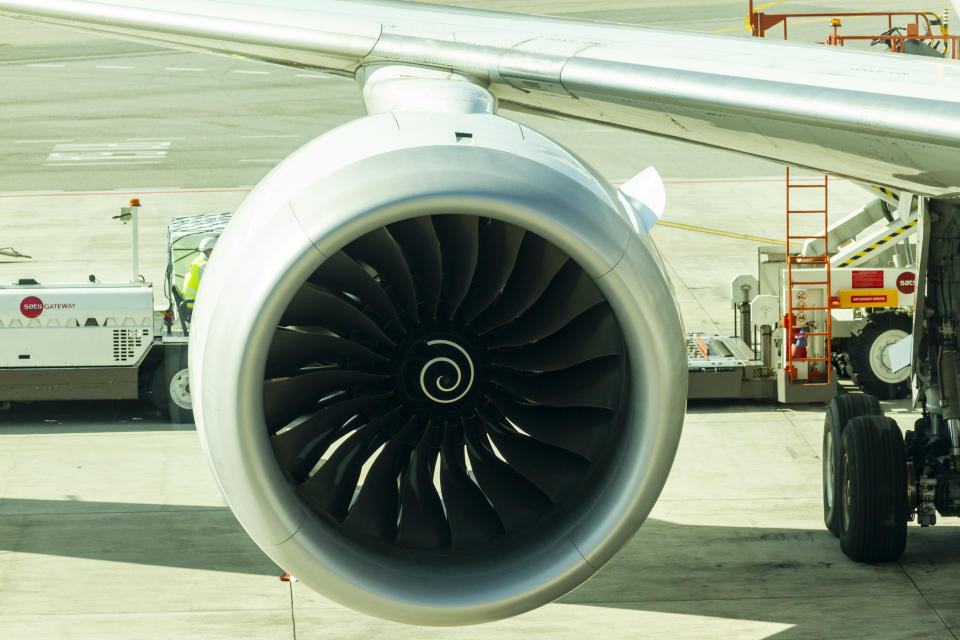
438 369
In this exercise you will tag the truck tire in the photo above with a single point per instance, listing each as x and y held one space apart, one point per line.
841 410
868 359
873 478
177 385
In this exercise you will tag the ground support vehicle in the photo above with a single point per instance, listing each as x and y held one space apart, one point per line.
102 341
842 298
846 298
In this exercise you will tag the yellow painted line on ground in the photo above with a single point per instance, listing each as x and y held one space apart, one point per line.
716 232
746 19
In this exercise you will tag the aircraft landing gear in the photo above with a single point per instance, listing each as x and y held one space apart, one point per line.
842 409
865 501
873 490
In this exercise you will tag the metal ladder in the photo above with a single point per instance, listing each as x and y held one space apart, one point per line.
797 309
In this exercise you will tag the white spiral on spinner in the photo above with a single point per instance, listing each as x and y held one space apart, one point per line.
425 374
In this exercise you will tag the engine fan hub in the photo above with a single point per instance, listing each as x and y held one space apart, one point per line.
440 373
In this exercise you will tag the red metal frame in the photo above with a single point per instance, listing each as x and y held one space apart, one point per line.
761 22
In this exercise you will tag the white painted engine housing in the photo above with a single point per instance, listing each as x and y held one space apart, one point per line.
362 176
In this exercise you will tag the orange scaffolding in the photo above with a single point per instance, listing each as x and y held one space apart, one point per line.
761 22
797 309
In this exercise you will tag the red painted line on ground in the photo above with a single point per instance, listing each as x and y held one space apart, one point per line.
225 190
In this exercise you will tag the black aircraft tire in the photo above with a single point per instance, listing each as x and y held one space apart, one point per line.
866 360
873 477
176 385
840 411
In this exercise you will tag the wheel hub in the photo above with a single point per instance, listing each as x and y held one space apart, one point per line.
880 357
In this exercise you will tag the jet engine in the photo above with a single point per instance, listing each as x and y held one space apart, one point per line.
437 367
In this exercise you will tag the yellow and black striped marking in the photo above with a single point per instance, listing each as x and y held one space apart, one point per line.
888 192
879 243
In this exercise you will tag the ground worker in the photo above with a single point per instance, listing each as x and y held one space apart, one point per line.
191 280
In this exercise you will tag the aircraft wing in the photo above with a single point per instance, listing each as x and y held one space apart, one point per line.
886 119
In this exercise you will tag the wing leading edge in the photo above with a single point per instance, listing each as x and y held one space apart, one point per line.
890 120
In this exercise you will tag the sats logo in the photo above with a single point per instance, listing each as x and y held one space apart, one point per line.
907 282
31 306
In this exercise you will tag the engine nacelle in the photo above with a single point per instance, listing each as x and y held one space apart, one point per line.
437 368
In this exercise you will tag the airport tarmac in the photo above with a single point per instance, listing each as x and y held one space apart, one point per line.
111 525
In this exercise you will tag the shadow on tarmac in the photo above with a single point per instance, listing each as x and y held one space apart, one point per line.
788 576
180 536
85 416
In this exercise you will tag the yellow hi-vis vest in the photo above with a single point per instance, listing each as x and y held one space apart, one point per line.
191 281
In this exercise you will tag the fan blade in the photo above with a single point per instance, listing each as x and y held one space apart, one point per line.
516 500
596 383
593 334
458 246
499 246
286 398
341 273
471 517
313 305
374 512
570 293
301 446
332 487
537 263
556 472
580 430
419 241
422 522
291 349
381 251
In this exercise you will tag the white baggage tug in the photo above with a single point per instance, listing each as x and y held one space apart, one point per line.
103 341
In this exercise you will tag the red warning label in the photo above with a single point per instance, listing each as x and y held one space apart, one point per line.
867 279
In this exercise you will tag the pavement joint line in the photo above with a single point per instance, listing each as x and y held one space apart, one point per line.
925 599
799 433
735 599
293 610
696 300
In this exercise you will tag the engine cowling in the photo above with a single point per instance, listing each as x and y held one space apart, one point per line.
437 368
